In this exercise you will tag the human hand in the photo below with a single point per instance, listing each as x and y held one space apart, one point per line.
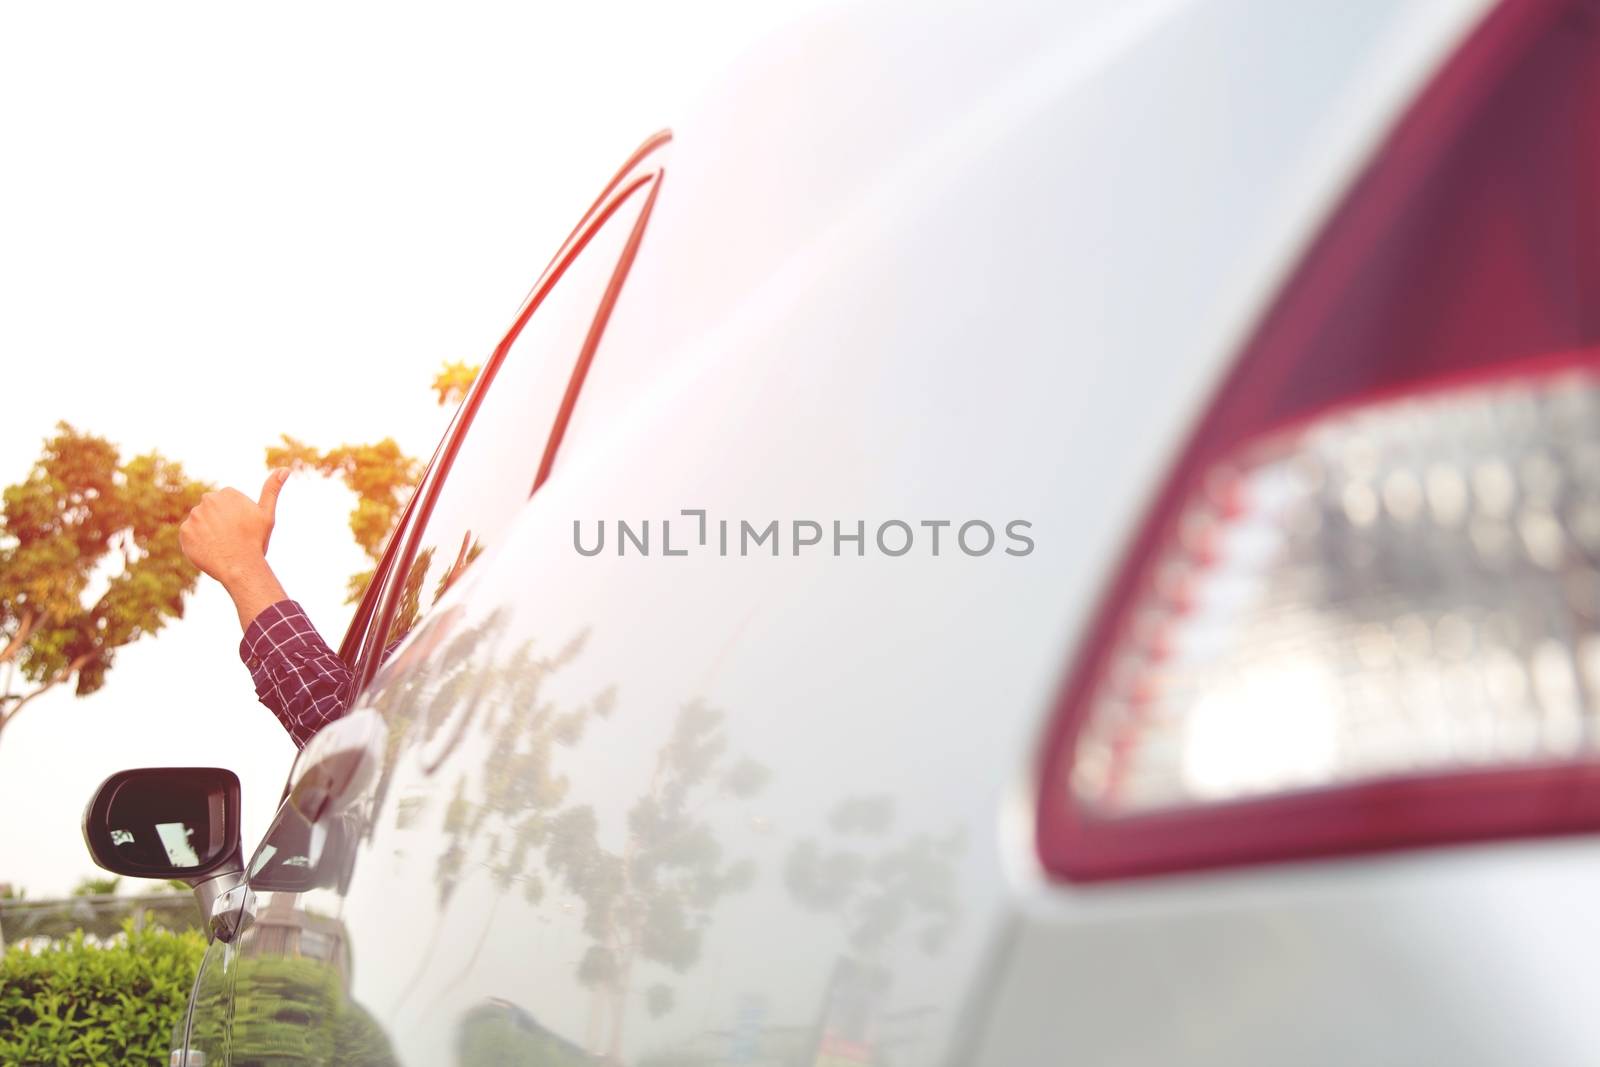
226 534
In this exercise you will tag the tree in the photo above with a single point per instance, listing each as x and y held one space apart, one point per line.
454 380
379 474
80 515
93 886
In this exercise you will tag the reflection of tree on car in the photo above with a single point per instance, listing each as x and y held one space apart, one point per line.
436 707
430 687
889 895
290 1013
654 900
291 1005
877 888
294 1012
651 899
498 1033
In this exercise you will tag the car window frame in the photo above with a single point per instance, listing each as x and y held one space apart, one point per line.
367 658
351 645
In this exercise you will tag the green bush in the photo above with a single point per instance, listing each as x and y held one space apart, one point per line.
82 1005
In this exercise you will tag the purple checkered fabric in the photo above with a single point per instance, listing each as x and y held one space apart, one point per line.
298 677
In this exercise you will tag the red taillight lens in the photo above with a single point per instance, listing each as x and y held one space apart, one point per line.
1364 611
1405 588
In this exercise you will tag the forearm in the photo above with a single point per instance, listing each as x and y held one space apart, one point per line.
254 588
296 674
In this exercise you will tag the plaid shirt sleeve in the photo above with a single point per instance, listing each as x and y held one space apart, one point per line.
298 677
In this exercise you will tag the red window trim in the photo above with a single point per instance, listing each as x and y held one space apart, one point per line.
368 661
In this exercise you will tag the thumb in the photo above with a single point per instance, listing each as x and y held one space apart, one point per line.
270 491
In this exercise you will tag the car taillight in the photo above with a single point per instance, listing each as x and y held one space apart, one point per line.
1364 610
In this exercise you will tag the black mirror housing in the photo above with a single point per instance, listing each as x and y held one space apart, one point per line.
165 822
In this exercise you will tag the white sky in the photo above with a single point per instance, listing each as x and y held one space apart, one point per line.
218 224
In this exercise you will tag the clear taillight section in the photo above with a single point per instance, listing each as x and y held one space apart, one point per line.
1404 588
1362 612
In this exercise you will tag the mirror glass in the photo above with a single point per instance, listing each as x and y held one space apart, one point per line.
167 822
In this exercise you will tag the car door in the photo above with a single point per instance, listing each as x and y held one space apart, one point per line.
281 996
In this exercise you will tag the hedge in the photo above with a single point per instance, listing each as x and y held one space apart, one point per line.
77 1004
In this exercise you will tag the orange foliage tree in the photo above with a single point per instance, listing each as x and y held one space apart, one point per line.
81 515
380 474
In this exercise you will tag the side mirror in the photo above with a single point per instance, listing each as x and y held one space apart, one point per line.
173 823
164 822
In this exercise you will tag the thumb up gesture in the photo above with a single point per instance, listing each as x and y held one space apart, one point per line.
226 534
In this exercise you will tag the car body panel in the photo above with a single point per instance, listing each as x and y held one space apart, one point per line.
748 808
1469 955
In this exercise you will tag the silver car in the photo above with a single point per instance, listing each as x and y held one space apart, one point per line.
1061 533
